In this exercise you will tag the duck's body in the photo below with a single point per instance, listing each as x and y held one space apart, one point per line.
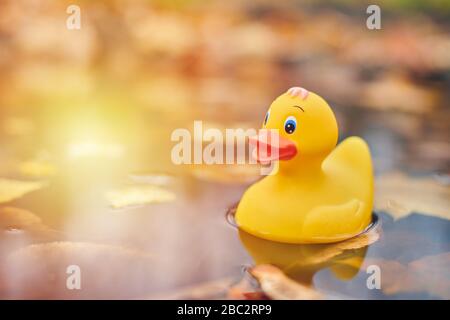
315 197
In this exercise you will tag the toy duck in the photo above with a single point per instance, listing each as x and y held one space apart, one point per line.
320 193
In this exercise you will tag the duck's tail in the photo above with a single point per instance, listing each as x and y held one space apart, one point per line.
353 153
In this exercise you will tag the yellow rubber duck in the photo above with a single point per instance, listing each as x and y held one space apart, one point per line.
320 193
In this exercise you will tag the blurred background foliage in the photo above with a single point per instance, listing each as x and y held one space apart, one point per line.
146 67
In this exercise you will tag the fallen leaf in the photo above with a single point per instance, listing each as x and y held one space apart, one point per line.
322 253
138 195
216 289
400 195
245 289
428 274
20 227
433 273
16 126
36 168
394 92
108 271
11 217
278 286
13 189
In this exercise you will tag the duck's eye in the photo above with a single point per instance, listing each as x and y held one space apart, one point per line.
266 117
290 124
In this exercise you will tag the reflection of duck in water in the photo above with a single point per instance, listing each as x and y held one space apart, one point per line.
321 193
301 261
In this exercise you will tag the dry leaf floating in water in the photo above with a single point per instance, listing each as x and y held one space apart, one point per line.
428 274
12 189
138 195
35 168
400 195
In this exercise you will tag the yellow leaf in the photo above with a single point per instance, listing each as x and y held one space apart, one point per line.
15 126
206 290
400 195
138 195
35 168
13 189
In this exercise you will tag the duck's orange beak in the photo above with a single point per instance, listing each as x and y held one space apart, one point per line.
270 146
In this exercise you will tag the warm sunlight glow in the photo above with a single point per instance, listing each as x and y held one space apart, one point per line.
85 149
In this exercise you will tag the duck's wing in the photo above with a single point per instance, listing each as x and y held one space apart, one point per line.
351 154
333 223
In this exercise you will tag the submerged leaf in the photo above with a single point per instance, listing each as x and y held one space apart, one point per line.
400 195
13 189
246 289
138 195
428 274
331 250
40 270
278 286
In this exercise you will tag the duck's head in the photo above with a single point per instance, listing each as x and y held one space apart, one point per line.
306 128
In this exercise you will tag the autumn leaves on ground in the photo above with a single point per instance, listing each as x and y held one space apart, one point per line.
85 121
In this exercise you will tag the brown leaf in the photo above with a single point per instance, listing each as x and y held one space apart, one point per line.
36 168
278 286
394 92
16 126
39 270
400 195
19 228
245 290
209 290
428 274
11 217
